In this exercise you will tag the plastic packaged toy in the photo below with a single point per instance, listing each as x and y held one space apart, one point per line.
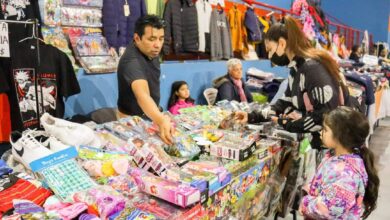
173 192
224 176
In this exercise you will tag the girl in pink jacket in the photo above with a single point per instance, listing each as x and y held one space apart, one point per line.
180 97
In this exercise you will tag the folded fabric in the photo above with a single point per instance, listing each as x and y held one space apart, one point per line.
72 211
53 203
11 217
22 189
22 206
88 217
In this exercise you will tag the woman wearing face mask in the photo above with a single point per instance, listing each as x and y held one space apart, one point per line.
314 84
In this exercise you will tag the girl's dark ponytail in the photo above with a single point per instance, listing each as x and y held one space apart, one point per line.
351 129
372 188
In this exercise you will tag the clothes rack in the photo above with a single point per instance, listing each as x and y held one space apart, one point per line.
18 22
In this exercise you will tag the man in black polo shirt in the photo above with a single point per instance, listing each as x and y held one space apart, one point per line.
139 75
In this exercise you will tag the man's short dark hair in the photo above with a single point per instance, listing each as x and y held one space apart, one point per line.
148 20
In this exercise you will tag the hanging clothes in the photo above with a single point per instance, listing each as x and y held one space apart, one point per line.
5 120
272 20
221 44
238 30
155 7
366 82
204 9
19 11
265 23
252 25
181 28
35 89
118 27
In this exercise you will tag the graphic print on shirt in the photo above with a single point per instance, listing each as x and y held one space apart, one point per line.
14 8
26 94
48 87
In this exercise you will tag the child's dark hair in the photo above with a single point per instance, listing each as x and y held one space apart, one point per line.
351 128
175 88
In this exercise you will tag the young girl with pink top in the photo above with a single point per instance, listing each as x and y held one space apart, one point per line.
180 97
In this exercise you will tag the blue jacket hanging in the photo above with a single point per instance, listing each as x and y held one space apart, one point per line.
118 28
252 25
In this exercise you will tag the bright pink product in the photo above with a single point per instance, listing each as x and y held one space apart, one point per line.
173 192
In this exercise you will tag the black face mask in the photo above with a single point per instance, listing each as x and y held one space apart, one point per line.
279 60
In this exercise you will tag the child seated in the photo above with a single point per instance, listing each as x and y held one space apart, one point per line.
180 97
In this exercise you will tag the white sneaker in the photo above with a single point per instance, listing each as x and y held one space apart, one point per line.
69 133
55 145
25 148
48 141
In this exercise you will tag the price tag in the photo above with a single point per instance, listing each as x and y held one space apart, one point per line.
126 9
4 40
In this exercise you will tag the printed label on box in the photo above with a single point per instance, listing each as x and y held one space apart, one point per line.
53 159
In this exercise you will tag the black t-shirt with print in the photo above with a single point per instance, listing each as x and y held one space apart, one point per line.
53 80
19 10
134 65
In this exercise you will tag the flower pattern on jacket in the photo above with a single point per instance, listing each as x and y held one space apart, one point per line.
337 189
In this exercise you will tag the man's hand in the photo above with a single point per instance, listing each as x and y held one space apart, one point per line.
149 107
166 130
241 117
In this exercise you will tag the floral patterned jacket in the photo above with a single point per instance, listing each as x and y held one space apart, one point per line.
337 189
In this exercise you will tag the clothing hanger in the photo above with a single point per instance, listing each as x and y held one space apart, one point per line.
249 5
34 34
270 13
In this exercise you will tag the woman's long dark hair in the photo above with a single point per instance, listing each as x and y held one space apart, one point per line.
351 128
300 45
175 88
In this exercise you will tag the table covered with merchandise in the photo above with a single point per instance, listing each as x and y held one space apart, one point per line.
208 173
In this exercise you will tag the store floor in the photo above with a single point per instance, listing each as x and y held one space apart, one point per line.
380 145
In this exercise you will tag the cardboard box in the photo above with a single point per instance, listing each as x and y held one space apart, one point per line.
177 175
232 151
